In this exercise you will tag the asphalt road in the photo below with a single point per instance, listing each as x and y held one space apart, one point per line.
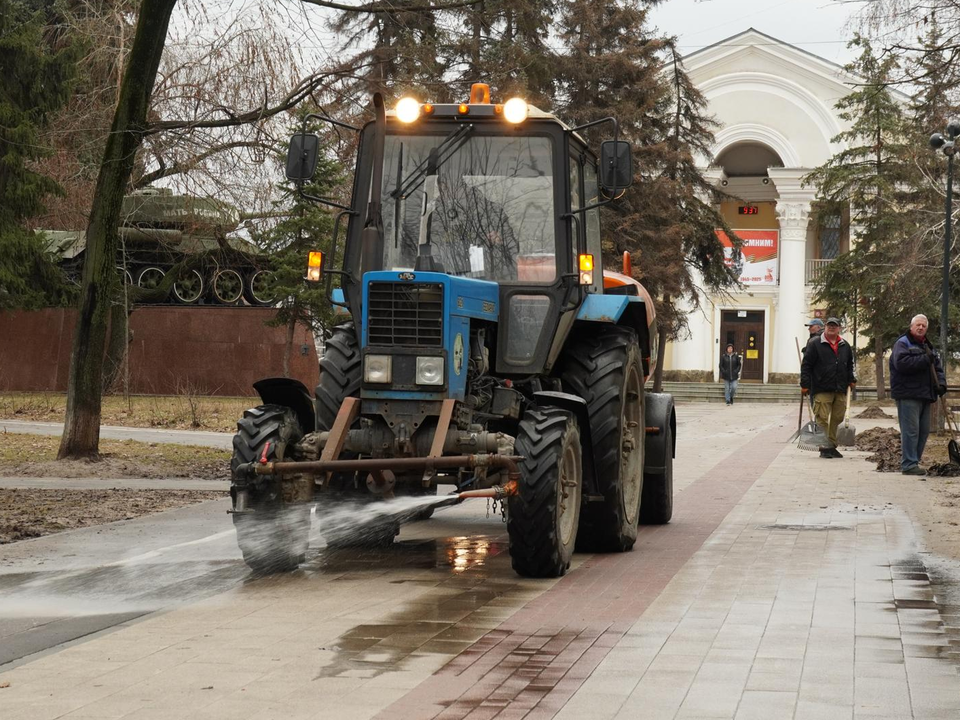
111 432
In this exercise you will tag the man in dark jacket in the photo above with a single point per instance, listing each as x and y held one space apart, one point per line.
916 380
730 365
826 372
815 328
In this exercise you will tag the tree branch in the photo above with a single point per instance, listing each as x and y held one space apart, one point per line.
387 7
185 166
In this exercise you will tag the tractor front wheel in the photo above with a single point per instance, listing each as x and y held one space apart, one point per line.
273 536
542 519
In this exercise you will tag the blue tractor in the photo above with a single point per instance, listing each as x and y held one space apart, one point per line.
485 347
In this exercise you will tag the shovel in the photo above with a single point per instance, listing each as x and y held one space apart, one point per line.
846 433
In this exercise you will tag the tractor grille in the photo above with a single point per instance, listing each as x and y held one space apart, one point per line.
405 314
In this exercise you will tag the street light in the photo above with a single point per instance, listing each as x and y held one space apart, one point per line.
947 146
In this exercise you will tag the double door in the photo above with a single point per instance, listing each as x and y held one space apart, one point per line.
744 328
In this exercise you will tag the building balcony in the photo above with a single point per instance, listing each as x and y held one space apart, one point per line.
814 268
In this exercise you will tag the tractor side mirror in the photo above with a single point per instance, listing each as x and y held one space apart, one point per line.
302 156
616 165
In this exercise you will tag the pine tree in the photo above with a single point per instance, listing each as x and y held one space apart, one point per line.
877 281
35 82
306 226
668 221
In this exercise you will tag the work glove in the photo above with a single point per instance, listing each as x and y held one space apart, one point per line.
804 391
941 390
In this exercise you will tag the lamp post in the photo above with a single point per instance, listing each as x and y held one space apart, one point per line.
946 144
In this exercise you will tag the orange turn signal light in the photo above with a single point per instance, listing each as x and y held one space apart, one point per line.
463 108
314 266
586 263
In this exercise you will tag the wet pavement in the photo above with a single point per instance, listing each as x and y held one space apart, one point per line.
785 587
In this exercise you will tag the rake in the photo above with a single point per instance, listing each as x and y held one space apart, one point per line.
812 437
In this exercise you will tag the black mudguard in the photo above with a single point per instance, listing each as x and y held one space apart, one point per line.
578 406
660 414
292 394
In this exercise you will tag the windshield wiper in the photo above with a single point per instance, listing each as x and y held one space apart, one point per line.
445 150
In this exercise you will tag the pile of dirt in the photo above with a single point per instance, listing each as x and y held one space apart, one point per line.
884 443
944 470
874 413
876 439
30 513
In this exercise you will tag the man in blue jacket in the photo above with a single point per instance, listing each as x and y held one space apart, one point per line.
916 380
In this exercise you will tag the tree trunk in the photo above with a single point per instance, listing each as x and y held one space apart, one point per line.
81 432
878 367
661 350
288 346
117 344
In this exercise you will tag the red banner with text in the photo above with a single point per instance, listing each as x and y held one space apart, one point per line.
758 264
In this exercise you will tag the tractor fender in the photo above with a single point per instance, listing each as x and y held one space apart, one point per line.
292 394
659 414
633 311
578 406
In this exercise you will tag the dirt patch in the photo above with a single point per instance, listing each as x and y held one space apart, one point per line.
884 443
944 470
874 413
187 412
35 456
29 513
876 439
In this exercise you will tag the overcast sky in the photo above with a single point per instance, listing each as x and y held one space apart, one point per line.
818 26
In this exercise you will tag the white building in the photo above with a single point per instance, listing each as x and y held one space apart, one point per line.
775 105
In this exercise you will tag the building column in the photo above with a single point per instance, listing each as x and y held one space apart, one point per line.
793 214
695 352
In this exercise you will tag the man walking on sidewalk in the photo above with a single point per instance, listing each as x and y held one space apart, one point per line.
826 372
730 365
916 381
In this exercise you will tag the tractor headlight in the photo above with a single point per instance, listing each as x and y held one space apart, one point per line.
429 371
378 368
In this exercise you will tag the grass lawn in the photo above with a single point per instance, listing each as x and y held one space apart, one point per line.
197 412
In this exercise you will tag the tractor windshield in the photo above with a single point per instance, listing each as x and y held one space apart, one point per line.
492 205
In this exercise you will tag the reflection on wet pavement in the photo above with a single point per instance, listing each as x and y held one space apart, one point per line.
445 622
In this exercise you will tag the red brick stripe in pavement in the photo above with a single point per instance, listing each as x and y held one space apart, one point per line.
534 662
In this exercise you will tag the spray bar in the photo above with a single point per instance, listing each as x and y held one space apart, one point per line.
317 467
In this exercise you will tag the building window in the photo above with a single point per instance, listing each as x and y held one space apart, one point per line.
830 237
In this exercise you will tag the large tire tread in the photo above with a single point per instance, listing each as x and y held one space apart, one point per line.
536 548
274 537
339 374
594 368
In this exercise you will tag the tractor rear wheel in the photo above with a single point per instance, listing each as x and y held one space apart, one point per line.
542 519
605 370
656 507
274 536
339 374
